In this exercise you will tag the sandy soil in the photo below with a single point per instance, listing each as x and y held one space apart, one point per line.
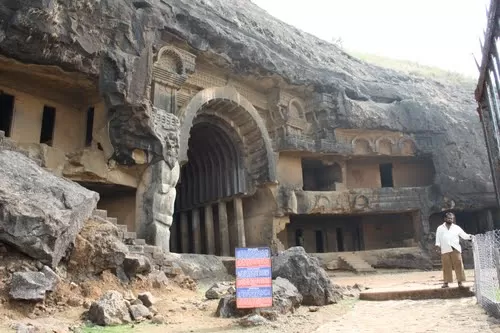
188 311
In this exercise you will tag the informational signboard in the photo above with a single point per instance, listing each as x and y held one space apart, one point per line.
254 280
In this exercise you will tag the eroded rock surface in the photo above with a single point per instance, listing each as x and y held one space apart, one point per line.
307 275
40 214
115 41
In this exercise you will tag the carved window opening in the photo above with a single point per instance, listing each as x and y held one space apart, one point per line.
320 241
48 125
6 113
386 179
319 176
90 127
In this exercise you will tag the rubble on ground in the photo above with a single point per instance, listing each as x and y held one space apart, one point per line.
220 289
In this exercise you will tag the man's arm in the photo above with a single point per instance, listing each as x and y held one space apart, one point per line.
438 237
463 234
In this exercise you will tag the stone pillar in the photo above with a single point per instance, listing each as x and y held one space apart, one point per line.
239 221
195 220
490 224
223 230
173 237
184 232
209 229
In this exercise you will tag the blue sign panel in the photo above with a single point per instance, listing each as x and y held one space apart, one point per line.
254 285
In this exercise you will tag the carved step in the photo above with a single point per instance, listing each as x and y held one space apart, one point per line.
356 263
136 248
139 241
130 235
101 213
113 220
122 227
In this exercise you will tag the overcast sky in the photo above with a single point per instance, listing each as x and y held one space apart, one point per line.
442 33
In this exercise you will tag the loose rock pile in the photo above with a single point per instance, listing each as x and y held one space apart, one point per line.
115 309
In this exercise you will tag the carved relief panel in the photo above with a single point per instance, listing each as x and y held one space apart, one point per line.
372 142
170 72
287 114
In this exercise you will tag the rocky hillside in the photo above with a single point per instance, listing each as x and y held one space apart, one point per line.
117 37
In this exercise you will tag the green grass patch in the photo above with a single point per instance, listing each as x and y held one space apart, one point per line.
111 329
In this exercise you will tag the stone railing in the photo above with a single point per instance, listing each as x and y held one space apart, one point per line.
303 143
352 201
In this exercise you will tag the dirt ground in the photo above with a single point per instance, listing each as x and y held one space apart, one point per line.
188 311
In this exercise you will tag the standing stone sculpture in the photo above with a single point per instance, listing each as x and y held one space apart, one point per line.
157 191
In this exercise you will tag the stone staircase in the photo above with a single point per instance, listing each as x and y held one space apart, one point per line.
436 263
356 263
137 246
129 238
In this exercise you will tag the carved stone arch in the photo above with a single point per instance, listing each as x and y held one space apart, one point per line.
384 145
170 58
237 112
362 146
296 108
407 146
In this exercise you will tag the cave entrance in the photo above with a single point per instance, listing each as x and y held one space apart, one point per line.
208 204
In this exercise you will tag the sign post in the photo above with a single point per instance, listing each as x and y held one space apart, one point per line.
254 280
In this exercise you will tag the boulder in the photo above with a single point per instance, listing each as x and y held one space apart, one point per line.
305 273
98 248
32 286
200 267
139 312
134 264
51 276
40 214
219 289
147 299
286 297
110 309
227 308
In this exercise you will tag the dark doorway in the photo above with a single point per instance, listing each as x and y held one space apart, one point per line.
320 244
6 113
340 240
299 237
90 127
357 235
386 175
48 124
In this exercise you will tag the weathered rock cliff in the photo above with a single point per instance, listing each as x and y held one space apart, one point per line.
113 41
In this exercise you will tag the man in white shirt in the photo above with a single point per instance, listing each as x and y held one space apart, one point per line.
451 253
